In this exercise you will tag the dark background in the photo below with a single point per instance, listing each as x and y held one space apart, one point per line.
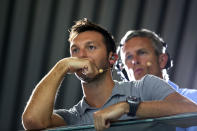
33 37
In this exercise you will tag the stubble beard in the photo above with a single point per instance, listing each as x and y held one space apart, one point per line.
85 79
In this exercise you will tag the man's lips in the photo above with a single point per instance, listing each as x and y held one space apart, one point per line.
138 71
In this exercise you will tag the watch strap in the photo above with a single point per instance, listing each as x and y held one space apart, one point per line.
134 103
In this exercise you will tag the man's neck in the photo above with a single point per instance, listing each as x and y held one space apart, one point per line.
97 92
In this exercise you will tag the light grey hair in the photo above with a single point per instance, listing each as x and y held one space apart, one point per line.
158 43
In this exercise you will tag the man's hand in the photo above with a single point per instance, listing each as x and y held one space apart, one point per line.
103 117
38 113
80 65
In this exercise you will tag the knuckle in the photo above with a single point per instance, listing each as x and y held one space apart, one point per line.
96 114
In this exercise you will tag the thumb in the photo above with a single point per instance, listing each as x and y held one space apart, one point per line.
107 124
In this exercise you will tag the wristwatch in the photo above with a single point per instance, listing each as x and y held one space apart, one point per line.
133 102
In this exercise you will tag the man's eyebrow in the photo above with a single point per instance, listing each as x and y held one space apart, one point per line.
73 46
90 42
128 53
142 49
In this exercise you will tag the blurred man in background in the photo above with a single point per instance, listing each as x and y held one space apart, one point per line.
144 52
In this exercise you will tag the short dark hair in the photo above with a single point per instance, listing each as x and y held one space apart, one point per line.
85 25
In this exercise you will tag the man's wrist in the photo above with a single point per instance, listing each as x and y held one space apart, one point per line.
133 103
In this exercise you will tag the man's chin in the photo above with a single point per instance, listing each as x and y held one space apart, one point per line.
84 79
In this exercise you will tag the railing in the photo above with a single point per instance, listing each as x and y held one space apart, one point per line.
168 123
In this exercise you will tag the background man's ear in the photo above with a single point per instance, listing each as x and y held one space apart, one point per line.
163 59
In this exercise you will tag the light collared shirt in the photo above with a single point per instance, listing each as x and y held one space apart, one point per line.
149 88
190 94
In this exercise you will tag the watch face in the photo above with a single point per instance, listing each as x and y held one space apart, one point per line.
133 99
133 102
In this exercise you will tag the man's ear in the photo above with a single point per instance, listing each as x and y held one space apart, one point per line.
163 59
113 57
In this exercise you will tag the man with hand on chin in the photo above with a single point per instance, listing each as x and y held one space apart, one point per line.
93 53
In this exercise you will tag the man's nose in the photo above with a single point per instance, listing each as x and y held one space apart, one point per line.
82 54
135 60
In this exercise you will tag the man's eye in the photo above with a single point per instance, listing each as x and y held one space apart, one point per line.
129 57
75 51
142 52
92 47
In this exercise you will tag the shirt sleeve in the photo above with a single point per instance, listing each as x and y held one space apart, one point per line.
189 93
154 88
70 116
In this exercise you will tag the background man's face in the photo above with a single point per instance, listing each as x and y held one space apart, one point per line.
138 55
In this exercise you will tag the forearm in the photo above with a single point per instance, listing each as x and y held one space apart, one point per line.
40 105
151 109
172 105
158 109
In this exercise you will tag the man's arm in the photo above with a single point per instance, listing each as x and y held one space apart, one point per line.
171 105
38 113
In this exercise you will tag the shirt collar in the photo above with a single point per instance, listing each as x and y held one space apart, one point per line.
116 91
175 86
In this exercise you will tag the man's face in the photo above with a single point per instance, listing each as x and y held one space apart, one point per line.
138 55
89 44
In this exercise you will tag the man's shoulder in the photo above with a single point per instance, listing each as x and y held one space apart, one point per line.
174 85
189 93
126 84
148 78
73 109
122 83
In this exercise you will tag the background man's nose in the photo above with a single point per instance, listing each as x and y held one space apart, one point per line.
135 60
